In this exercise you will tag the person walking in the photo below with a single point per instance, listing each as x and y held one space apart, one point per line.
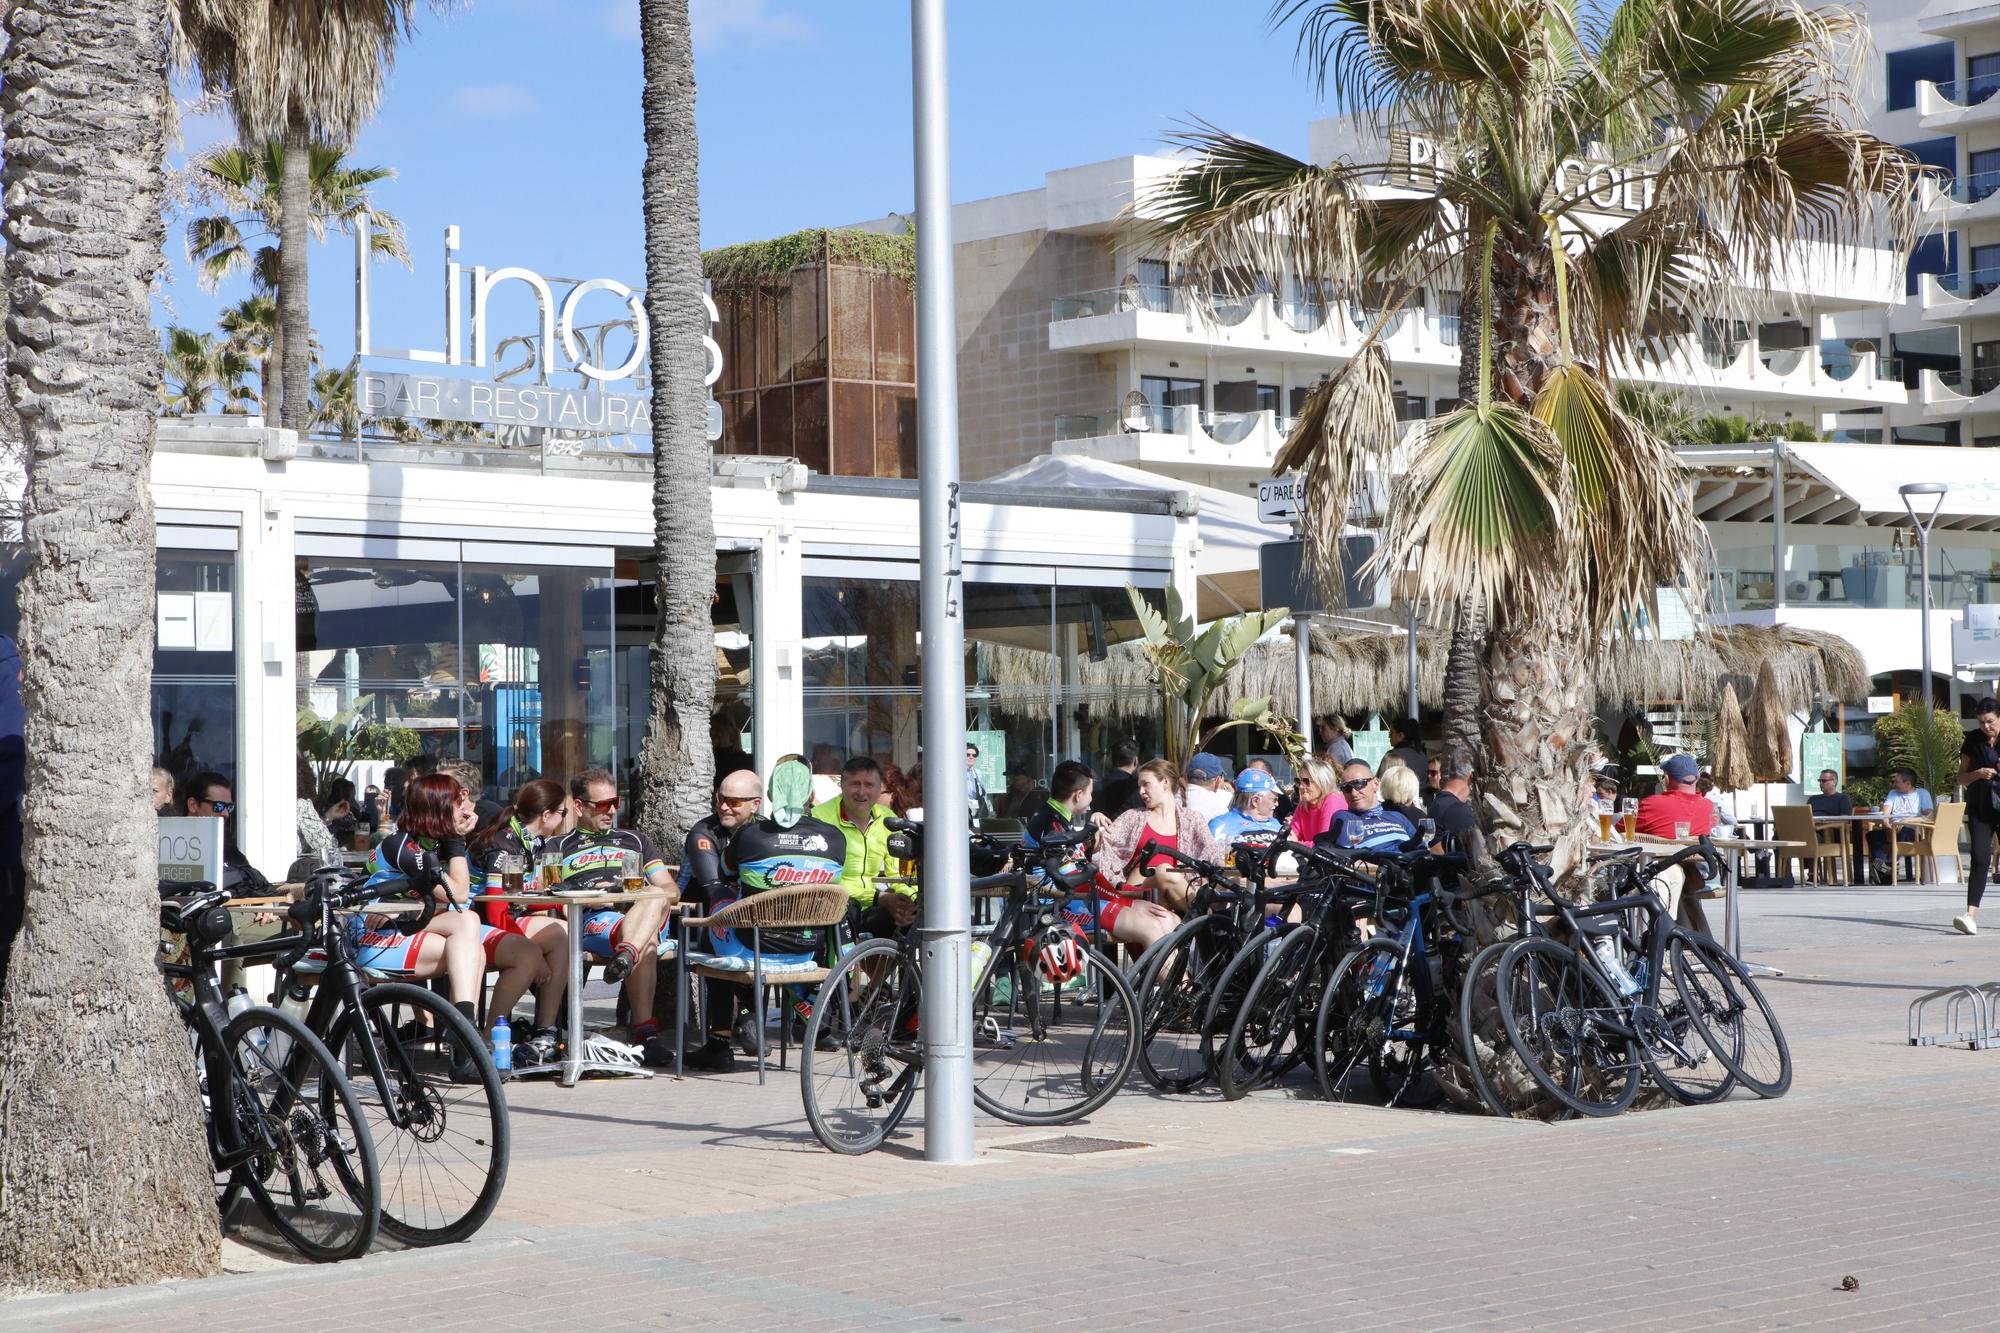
1978 766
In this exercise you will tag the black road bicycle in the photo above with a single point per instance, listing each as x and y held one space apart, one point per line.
1044 1051
283 1124
444 1144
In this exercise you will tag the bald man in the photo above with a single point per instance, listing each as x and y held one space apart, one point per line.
708 877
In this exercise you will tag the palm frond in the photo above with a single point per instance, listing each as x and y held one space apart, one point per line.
1344 425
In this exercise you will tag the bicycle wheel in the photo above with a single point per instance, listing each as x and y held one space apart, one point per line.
1731 1014
1044 1054
1361 1019
1175 984
1677 1056
443 1146
1230 989
314 1173
857 1092
1266 1024
1557 1015
1481 1030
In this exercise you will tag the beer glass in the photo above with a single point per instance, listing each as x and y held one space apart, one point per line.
511 873
1683 830
1604 825
1629 808
629 868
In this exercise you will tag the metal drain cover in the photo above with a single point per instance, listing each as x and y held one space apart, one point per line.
1070 1145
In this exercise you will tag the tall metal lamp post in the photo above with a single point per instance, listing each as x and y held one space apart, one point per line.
1915 499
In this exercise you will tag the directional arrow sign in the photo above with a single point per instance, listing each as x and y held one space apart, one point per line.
1281 500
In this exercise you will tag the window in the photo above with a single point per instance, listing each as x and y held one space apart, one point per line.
1908 67
1267 398
1931 254
1982 174
1409 407
1449 307
1983 269
1982 77
1165 391
1943 432
194 664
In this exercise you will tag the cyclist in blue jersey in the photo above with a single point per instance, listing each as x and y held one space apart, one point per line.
1253 816
1365 822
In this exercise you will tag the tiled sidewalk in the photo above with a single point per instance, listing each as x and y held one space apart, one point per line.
707 1202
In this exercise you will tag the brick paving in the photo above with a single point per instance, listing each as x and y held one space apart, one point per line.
646 1204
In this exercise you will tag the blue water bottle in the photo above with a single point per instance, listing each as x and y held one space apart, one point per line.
503 1044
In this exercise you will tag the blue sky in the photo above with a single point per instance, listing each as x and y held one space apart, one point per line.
519 121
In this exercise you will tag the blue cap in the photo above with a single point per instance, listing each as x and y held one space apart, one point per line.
1205 766
1680 767
1255 780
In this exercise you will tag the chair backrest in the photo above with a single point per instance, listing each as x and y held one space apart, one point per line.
1950 818
824 905
1793 823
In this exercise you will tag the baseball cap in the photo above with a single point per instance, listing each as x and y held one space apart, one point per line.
1680 767
1205 766
1255 780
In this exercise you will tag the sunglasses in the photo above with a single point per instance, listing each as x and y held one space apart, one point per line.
739 800
604 807
1356 786
220 807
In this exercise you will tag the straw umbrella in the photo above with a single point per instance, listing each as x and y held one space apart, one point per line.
1732 743
1770 734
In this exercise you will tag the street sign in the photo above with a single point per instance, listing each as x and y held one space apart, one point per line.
1881 703
1281 500
1975 648
1283 579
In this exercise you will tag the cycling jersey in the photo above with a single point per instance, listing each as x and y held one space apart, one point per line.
597 859
1055 818
705 875
1233 826
1376 830
510 841
422 861
766 855
379 945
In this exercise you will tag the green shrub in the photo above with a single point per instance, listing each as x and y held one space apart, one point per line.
1903 741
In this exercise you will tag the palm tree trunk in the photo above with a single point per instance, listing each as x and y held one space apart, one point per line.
102 1154
1468 627
677 762
294 307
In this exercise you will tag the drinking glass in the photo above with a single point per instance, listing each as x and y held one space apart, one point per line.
630 867
1629 808
1604 826
1683 830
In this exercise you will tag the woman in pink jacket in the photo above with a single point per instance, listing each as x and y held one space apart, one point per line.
1319 800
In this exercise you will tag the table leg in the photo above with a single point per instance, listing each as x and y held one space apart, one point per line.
572 1068
1732 924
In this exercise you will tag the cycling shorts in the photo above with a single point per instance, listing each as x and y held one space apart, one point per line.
379 947
1109 905
601 929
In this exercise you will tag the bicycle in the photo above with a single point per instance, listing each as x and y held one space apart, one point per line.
1179 975
445 1145
1387 1002
1045 1051
283 1124
1585 1023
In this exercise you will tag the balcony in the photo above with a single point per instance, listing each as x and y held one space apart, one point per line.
1183 440
1956 296
1122 318
1746 369
1853 576
1962 102
1957 393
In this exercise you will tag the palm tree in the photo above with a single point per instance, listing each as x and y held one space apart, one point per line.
676 761
251 325
298 74
106 1171
1553 513
334 405
246 182
198 367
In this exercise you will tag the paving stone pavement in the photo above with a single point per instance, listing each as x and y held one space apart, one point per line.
707 1202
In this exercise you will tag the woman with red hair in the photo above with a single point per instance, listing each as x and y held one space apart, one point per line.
428 850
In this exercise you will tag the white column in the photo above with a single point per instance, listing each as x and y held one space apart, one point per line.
778 723
267 681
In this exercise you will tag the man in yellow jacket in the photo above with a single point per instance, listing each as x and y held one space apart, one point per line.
860 816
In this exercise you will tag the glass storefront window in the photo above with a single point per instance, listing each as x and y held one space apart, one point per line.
507 665
194 665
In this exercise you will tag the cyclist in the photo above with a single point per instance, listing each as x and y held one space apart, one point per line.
428 850
591 855
1366 822
1132 921
538 812
857 814
708 878
1253 815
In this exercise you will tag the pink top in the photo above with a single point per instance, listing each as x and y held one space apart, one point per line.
1309 821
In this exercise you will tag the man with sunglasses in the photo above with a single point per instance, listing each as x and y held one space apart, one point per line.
707 879
1365 823
208 795
592 855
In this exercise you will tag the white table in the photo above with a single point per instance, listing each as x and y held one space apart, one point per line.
576 906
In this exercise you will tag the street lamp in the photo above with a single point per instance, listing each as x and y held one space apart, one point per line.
1915 494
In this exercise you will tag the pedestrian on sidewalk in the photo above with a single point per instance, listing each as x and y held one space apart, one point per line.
1978 766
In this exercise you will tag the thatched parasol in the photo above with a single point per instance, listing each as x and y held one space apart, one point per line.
1770 736
1732 743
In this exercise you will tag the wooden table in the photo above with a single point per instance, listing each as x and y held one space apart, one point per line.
573 1065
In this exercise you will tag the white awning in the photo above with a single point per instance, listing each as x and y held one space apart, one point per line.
1844 483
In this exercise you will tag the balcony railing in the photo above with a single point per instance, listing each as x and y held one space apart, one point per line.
1861 577
1363 319
1971 383
1301 316
1840 365
1969 286
1971 189
1448 329
1721 355
1970 92
1782 360
1112 300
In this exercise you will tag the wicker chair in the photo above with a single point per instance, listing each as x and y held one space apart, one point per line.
773 909
1940 838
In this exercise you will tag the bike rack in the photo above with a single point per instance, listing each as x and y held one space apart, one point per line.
1989 1036
1946 1008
